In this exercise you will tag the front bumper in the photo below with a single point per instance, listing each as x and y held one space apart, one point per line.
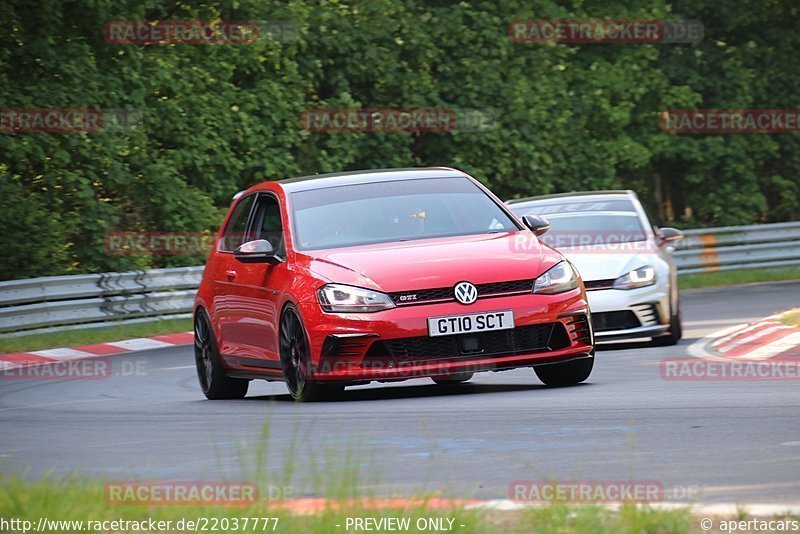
394 344
631 313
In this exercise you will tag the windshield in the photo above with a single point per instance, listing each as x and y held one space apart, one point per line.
573 230
402 210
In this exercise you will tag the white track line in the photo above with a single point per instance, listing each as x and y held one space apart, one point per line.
63 354
141 343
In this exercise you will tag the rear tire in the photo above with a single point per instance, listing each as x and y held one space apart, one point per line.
455 378
567 373
674 333
214 383
296 361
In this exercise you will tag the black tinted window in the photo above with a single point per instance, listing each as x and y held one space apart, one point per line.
237 225
268 224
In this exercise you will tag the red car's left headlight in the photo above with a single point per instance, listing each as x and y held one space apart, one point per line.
559 278
340 298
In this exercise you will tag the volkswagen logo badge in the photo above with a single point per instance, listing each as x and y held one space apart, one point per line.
465 292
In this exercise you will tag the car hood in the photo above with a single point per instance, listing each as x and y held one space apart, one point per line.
595 265
440 262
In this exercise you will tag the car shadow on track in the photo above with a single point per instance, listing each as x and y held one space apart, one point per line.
411 392
623 345
633 345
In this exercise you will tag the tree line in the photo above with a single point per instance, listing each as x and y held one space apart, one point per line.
186 125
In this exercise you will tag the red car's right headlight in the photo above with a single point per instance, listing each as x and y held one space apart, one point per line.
340 298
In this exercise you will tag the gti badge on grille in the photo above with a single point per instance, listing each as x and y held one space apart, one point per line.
409 297
465 292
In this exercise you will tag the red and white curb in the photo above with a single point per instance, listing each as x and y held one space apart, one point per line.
127 346
762 340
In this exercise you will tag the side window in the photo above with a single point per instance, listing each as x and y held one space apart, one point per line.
268 223
237 225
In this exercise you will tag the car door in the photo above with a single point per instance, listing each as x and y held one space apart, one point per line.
255 290
226 268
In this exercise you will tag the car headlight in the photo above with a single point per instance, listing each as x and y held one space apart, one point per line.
339 298
559 278
641 277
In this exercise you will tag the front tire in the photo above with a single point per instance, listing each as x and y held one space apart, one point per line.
214 383
567 373
296 360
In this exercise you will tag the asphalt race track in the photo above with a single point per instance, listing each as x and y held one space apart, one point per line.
737 441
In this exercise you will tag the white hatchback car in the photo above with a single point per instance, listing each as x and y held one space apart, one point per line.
626 262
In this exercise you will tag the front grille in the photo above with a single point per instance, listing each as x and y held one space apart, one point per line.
445 294
594 285
615 320
520 340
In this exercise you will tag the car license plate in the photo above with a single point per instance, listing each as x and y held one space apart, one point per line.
470 323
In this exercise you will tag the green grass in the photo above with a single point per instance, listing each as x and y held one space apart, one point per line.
76 499
73 338
792 318
73 499
334 474
731 278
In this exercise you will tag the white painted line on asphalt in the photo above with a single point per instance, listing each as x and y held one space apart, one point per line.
712 322
751 509
499 504
174 368
726 509
141 343
63 354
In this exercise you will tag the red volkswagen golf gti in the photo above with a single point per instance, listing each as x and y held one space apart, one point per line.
341 279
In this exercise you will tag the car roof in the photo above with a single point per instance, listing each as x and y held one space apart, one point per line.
319 181
576 196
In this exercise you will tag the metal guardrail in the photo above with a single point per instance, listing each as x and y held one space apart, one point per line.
739 247
95 299
64 301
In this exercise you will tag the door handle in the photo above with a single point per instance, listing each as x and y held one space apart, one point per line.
231 274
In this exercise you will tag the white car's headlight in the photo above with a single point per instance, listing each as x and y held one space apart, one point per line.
339 298
641 277
559 278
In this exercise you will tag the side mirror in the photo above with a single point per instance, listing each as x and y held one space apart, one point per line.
538 225
670 235
258 251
